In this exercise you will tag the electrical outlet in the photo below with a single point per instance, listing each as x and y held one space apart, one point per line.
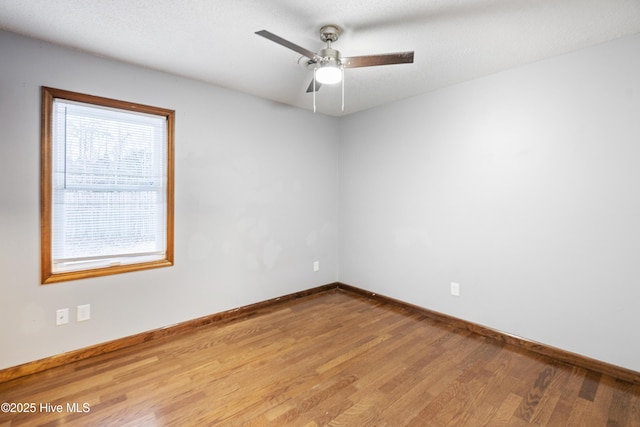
83 312
62 316
316 265
455 289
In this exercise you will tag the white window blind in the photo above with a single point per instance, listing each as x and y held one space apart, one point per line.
109 186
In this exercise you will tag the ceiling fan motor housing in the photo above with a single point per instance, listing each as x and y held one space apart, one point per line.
330 55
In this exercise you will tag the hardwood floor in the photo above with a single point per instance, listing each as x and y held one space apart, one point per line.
334 358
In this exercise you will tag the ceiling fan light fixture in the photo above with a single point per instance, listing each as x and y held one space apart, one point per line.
328 72
328 66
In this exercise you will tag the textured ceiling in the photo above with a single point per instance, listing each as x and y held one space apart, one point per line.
214 41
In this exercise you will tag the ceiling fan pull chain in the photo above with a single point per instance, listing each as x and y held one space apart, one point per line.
342 71
314 90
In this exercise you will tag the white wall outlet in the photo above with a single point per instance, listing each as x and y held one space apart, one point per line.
83 312
455 289
62 316
316 265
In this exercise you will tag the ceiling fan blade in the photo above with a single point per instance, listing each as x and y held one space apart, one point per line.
286 43
371 60
310 88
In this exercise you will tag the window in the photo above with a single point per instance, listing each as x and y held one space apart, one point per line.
106 186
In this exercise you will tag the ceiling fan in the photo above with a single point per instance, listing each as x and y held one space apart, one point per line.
328 65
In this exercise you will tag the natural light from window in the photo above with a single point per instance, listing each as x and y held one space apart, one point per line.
108 202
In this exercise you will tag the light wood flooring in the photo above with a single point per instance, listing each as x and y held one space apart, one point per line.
334 358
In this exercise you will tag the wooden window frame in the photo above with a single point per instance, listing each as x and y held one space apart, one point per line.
48 96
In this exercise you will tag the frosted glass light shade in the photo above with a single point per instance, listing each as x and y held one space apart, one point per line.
328 74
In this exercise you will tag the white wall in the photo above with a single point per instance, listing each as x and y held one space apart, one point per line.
523 186
256 204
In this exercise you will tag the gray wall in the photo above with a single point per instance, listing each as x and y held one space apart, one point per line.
523 187
256 204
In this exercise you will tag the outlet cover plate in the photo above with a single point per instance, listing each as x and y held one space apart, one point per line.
83 312
455 289
62 316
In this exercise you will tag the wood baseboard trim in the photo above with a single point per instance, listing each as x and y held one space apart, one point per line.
29 368
564 356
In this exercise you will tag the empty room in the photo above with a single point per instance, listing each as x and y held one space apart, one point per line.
320 213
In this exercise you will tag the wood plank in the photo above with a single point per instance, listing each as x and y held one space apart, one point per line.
590 385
